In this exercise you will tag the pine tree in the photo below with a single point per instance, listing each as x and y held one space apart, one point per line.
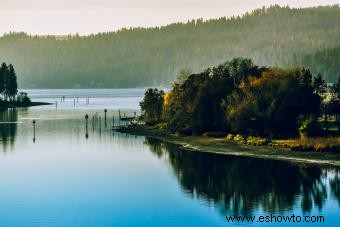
3 79
319 84
337 88
12 84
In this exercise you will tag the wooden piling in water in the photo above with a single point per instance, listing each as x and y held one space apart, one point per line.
100 123
86 119
105 111
86 128
33 122
119 117
93 122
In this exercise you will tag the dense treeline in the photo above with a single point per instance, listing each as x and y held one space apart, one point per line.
326 61
153 56
240 97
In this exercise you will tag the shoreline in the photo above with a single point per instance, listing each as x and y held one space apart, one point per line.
22 105
223 147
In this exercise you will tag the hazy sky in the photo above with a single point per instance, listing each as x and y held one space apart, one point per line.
92 16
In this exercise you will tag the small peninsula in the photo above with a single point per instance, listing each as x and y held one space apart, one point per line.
9 95
240 108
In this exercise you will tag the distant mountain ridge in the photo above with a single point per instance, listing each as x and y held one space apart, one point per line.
138 57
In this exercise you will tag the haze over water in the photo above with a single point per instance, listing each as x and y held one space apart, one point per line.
66 175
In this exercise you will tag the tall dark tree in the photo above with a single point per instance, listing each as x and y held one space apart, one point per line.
305 78
240 68
334 103
3 77
320 88
12 84
336 89
319 84
152 105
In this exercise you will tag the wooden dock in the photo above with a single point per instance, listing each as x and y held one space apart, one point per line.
127 118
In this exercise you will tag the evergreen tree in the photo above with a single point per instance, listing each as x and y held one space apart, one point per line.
319 85
183 75
152 105
3 79
12 84
305 78
337 88
334 104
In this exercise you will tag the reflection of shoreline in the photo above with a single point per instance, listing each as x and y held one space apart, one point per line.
223 147
238 185
8 127
10 105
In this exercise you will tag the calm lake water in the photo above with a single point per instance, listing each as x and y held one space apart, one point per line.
67 175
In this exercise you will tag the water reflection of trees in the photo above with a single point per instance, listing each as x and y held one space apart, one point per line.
8 127
241 185
335 185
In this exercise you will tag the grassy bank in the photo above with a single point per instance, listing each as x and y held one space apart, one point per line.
329 144
228 147
321 144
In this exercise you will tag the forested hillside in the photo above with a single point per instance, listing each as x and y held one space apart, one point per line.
326 61
154 56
